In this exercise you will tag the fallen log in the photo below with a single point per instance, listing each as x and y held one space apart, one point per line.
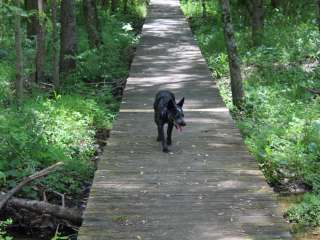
73 215
42 173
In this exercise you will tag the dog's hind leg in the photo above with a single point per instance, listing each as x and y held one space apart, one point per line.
169 133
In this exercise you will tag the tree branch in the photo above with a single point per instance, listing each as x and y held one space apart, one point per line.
28 179
314 91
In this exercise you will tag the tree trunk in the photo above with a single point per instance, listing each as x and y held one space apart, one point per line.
133 3
68 36
40 44
204 9
18 47
55 39
234 61
318 13
275 3
125 6
105 4
113 5
90 13
257 18
31 5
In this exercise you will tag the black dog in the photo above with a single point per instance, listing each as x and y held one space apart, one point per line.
167 111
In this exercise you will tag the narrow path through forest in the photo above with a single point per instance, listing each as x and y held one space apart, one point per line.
208 187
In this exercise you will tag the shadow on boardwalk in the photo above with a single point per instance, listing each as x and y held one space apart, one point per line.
208 187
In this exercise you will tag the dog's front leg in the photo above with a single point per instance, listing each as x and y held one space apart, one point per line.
169 133
159 132
162 138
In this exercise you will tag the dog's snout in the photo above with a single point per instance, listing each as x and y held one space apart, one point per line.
182 123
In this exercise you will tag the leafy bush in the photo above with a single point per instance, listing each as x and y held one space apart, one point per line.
307 212
52 127
3 232
5 76
109 61
50 130
61 126
280 120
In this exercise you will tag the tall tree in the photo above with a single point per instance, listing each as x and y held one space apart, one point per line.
90 12
40 43
204 9
114 4
318 13
18 47
55 40
125 6
257 18
105 4
31 5
256 10
275 3
234 61
68 36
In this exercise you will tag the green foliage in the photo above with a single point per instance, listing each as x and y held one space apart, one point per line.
280 120
61 126
48 130
110 61
5 76
58 236
306 213
3 232
50 126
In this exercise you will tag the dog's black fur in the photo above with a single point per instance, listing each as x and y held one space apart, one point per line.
167 111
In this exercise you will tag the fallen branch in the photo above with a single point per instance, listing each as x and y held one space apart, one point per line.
314 91
71 214
26 180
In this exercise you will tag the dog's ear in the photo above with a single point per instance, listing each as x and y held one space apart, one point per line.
171 104
180 103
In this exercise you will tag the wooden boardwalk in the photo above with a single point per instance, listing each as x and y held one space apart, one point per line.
208 187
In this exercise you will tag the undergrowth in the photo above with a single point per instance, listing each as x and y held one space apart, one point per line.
3 231
281 118
61 126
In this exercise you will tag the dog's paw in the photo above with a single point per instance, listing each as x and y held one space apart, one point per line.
169 142
165 150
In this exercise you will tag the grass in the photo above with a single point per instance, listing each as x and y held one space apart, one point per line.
281 118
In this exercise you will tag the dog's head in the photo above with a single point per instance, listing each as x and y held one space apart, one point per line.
175 114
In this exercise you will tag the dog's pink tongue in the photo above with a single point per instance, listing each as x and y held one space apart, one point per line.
180 128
